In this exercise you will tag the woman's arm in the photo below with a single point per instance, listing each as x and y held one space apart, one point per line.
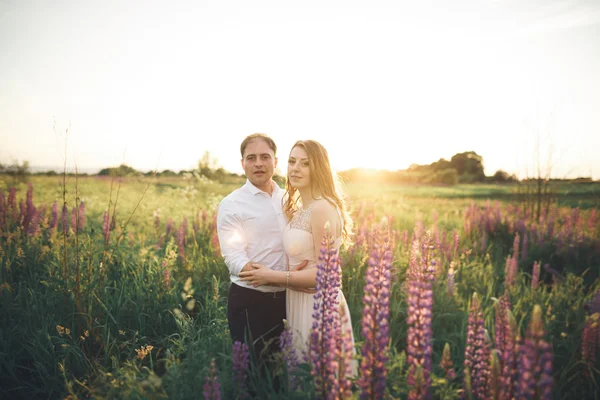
295 279
324 212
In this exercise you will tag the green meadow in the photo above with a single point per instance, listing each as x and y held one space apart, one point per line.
127 298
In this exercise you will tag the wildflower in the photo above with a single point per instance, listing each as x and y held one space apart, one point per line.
64 219
535 361
106 228
290 357
240 369
325 339
505 328
591 338
181 242
535 276
143 351
447 364
212 387
375 321
419 335
477 353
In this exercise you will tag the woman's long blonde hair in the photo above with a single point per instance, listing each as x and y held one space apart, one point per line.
323 180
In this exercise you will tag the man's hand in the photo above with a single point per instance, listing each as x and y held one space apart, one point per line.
256 275
247 267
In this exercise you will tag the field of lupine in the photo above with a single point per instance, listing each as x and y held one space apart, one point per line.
115 289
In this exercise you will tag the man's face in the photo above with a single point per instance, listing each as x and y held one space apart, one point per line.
259 163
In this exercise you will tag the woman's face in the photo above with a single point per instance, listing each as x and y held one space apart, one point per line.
298 168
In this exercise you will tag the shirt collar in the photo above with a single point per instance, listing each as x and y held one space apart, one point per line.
254 190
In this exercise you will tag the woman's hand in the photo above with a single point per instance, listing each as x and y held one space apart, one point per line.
259 275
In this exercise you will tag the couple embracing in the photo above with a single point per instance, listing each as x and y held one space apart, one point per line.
270 239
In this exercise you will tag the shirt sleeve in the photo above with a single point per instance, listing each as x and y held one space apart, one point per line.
232 238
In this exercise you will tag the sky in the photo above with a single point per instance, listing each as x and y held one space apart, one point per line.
381 84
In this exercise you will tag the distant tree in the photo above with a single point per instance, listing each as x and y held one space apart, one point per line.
448 176
503 177
17 171
469 166
441 164
121 170
167 172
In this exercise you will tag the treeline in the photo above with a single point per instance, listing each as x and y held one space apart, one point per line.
464 167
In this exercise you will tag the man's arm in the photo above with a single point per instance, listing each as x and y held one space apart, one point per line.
232 239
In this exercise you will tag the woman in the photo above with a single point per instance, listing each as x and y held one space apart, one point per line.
312 199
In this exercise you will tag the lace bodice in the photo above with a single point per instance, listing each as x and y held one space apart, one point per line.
298 239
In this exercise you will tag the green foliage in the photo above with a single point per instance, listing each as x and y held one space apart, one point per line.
139 292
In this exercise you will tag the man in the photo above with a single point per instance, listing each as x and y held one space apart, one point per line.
250 224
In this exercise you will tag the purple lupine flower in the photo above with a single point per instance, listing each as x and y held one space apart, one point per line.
516 245
240 369
524 247
22 213
2 210
181 243
196 223
212 387
29 208
33 225
591 339
447 364
81 217
505 327
477 352
535 361
419 350
169 227
510 271
419 335
106 228
54 217
535 275
65 219
290 358
325 339
375 321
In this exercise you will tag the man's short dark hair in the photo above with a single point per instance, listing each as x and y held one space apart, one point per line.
250 138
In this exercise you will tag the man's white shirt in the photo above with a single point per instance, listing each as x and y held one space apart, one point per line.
250 226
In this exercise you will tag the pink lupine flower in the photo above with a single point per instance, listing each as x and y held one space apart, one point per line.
419 335
106 228
240 365
477 352
535 275
535 361
447 364
212 387
181 242
65 219
290 357
375 320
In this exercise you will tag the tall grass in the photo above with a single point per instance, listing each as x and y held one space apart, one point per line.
130 317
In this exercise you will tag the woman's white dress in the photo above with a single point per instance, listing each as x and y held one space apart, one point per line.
299 246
